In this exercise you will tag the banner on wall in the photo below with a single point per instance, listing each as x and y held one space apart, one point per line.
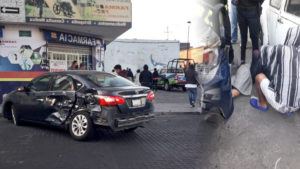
12 11
80 12
23 55
58 65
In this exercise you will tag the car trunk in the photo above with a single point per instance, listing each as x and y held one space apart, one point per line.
135 99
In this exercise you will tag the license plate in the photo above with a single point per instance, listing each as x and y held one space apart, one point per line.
136 102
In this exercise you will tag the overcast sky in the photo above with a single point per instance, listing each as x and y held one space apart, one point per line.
152 17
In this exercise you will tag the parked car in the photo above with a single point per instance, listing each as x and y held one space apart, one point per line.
277 17
80 101
173 76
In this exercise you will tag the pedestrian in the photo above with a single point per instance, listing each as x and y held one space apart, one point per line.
234 22
248 18
276 74
120 72
146 77
241 80
192 83
130 74
82 67
137 77
74 66
155 79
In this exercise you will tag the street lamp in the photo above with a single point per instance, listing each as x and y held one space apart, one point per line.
188 39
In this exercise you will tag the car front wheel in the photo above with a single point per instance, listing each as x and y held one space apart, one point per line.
81 127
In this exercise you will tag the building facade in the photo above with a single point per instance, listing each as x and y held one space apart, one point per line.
38 36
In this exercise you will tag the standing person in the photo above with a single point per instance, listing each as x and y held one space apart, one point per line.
146 77
248 17
192 82
155 79
130 74
137 77
234 22
120 72
74 66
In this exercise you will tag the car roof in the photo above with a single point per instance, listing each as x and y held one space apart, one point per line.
77 72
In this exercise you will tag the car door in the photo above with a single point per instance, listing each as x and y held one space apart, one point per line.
273 14
33 100
60 100
289 17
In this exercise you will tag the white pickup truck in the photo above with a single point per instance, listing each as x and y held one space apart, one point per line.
277 17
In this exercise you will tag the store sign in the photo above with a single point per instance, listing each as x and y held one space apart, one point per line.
12 11
58 65
68 38
84 12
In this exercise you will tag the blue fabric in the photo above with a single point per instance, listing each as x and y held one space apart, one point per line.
192 94
1 33
234 23
254 103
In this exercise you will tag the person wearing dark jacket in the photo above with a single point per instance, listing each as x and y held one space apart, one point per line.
192 82
155 79
146 77
120 72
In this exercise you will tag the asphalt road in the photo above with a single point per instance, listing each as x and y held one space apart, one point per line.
169 141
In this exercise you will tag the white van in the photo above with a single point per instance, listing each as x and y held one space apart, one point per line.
277 17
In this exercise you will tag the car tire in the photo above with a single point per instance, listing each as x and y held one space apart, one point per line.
130 130
81 127
15 116
167 86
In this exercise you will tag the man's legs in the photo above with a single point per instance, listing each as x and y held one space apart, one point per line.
261 98
234 26
254 27
190 93
195 94
244 34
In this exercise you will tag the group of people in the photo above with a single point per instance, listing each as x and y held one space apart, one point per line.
75 66
274 69
142 78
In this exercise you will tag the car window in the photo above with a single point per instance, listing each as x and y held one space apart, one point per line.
108 80
276 3
41 84
293 7
63 83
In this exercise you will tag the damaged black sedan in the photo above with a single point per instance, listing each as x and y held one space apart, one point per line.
80 101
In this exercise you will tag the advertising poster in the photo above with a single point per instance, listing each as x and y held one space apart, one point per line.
80 12
23 55
58 65
12 11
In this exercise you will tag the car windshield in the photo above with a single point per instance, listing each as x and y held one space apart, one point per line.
107 80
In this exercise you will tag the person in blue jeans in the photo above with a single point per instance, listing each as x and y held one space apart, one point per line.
248 17
192 83
234 22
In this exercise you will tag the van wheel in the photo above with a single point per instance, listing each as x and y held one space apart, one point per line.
81 127
167 86
15 116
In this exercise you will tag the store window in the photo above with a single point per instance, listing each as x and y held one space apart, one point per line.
293 7
24 33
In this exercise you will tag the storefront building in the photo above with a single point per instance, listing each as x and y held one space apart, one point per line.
38 36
